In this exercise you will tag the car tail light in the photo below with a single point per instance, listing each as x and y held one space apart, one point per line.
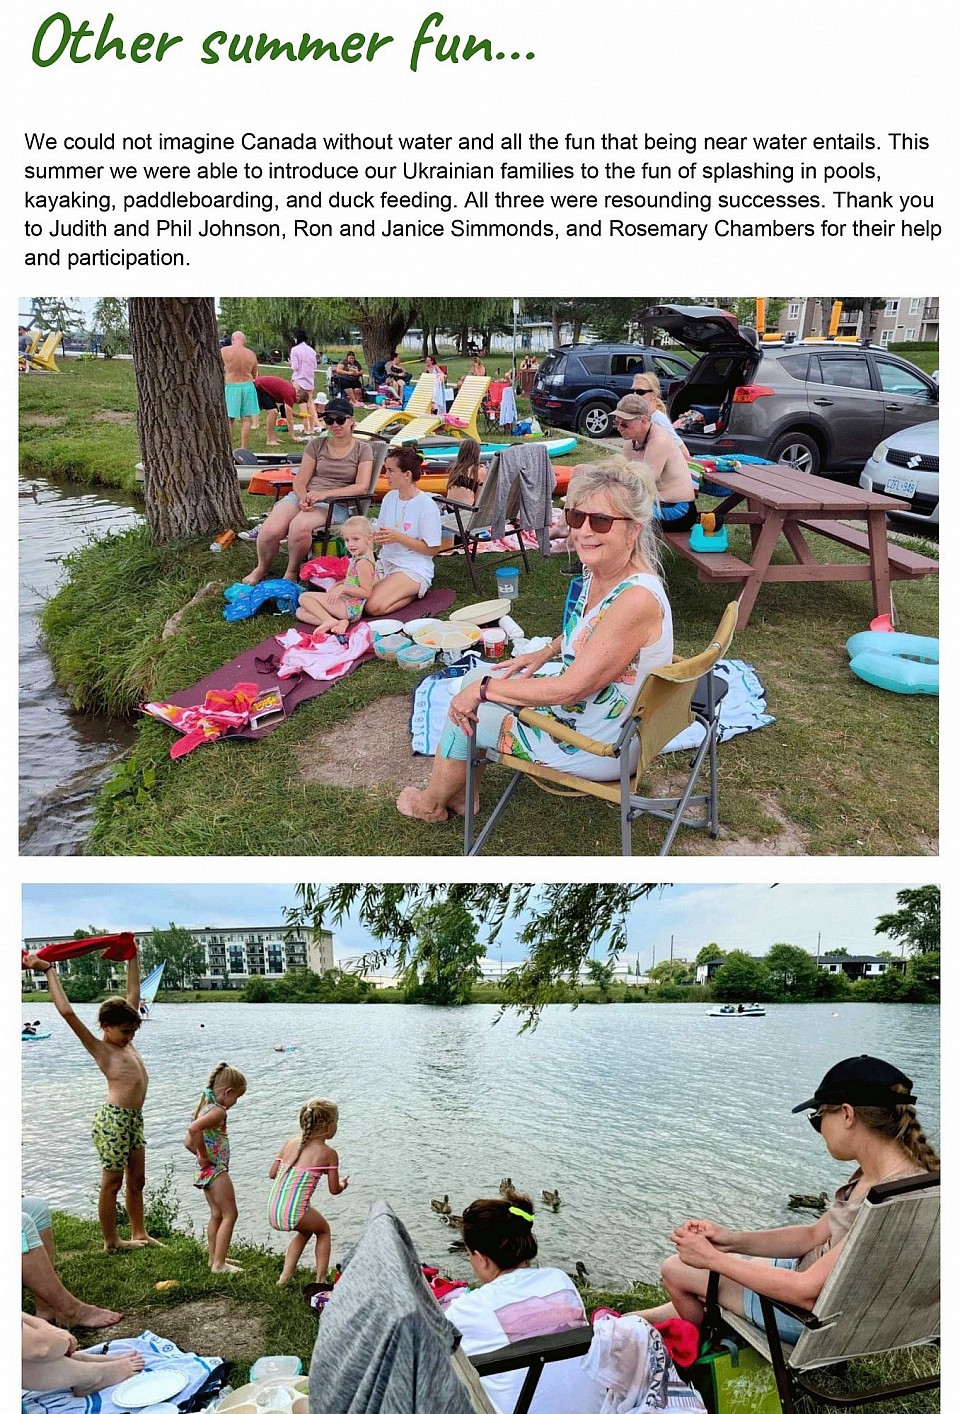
554 403
750 392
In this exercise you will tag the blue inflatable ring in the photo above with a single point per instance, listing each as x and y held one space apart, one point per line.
897 662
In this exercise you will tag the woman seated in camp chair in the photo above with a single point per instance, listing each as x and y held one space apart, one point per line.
863 1109
620 629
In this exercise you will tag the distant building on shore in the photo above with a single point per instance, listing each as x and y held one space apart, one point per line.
853 966
493 968
232 955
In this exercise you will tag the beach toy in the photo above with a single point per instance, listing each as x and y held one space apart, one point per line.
883 623
898 662
388 647
416 657
709 535
243 600
508 582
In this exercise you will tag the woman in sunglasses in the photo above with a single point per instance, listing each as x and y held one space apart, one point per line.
863 1109
334 464
589 676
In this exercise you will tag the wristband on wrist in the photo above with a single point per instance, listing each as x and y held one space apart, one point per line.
483 688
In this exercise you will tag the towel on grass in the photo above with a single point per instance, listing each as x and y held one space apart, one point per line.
261 663
158 1354
744 708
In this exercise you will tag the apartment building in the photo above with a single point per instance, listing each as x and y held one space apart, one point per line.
232 955
902 319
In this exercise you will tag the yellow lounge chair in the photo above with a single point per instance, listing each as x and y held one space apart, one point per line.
460 421
418 406
44 355
669 700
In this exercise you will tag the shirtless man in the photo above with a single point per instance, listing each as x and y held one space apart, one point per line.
658 449
239 371
118 1124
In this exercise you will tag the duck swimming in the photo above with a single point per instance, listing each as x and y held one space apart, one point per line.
816 1201
441 1205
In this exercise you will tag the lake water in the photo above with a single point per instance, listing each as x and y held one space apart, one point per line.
64 755
641 1115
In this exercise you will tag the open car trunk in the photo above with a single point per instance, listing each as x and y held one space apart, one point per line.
729 357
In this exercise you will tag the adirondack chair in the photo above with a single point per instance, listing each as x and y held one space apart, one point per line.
883 1295
43 357
418 406
460 421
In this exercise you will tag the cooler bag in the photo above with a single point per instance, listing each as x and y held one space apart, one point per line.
735 1380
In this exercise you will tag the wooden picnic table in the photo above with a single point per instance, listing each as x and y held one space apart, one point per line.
781 501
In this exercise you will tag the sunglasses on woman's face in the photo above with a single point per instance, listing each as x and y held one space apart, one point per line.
600 524
816 1119
335 419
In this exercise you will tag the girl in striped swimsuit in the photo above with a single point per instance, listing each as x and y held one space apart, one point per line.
296 1171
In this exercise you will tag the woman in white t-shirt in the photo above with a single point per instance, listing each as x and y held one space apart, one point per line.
516 1301
408 535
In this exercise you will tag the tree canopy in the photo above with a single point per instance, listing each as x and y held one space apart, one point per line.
917 920
177 948
445 960
561 923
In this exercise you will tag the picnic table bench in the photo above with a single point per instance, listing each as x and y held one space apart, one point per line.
781 501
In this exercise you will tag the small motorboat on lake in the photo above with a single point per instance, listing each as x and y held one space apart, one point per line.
740 1010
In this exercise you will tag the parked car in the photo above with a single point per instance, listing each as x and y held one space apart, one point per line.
819 405
907 465
578 386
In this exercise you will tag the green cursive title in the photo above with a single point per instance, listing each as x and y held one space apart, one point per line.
60 38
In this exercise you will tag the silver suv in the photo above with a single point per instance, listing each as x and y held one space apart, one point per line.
820 405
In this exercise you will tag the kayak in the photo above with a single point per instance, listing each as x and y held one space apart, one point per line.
268 481
35 1036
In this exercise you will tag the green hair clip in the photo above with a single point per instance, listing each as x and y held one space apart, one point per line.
521 1214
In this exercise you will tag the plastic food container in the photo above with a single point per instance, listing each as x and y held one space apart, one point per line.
449 638
381 628
494 644
389 646
416 657
508 582
276 1366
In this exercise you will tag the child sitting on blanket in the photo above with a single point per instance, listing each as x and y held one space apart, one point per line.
334 610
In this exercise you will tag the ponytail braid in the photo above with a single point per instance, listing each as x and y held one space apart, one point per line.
315 1115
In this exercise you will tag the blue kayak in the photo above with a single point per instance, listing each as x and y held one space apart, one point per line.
35 1036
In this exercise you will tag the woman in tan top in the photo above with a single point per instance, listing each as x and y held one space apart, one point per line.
337 464
864 1110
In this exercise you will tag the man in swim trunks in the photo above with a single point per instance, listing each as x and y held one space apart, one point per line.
662 454
272 394
239 372
118 1124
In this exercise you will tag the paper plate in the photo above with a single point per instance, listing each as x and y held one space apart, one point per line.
381 628
150 1387
415 626
486 613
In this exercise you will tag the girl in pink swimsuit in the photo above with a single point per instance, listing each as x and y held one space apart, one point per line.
206 1138
296 1171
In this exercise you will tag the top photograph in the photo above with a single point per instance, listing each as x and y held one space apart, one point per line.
479 576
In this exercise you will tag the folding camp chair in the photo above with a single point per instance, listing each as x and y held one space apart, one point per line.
460 421
357 504
469 526
882 1295
418 406
669 700
490 407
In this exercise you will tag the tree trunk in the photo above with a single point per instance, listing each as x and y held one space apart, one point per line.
866 312
381 333
190 481
555 325
463 338
433 341
424 344
577 327
485 340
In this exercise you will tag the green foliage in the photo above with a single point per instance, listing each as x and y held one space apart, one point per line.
670 971
256 989
176 947
831 986
917 921
445 962
56 313
161 1206
711 952
793 972
110 322
836 952
601 975
82 989
130 785
742 979
923 978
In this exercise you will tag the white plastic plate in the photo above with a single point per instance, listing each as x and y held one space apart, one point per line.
384 627
150 1387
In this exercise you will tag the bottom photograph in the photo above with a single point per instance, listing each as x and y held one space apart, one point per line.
480 1147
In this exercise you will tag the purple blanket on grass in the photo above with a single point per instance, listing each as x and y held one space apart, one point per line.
252 666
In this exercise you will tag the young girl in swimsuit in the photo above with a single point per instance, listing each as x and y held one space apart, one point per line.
298 1168
206 1138
334 610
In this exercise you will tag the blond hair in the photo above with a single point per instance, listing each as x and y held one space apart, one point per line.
359 524
631 489
222 1077
900 1124
318 1119
650 383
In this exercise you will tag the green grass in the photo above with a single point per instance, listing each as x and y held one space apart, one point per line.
242 1318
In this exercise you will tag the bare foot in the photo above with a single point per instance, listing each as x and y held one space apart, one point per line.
107 1370
229 1269
254 577
273 444
458 806
143 1239
128 1244
339 626
284 1278
292 575
92 1318
413 803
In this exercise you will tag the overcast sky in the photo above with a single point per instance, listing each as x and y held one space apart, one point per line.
748 916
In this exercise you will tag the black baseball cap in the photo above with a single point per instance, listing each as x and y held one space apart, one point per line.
338 407
861 1080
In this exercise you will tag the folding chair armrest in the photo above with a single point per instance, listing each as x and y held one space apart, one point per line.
799 1313
559 732
565 1345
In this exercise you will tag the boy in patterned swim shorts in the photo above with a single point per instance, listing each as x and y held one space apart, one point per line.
118 1124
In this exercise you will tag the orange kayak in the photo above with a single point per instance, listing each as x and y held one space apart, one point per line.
274 480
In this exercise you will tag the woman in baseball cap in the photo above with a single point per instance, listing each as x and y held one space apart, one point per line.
863 1109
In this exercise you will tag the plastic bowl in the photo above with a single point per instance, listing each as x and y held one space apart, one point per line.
382 628
449 638
388 647
416 657
416 626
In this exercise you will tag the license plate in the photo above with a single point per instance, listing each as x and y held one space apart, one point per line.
901 486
